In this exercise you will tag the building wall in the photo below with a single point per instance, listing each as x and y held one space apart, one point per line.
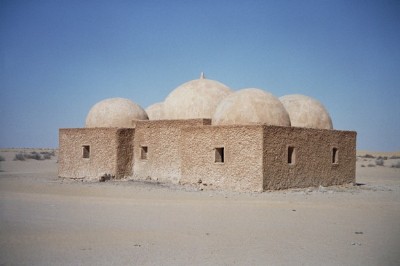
255 157
110 150
242 167
125 152
162 139
312 164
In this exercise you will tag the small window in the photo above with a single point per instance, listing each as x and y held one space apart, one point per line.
219 155
86 151
291 155
143 153
335 153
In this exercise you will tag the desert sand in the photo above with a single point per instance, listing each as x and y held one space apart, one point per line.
45 220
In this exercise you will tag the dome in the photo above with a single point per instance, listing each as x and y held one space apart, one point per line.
195 99
115 112
251 106
305 111
155 111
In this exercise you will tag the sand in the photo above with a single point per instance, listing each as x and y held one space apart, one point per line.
45 220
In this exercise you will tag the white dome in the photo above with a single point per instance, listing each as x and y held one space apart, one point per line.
115 112
155 111
251 106
305 111
195 99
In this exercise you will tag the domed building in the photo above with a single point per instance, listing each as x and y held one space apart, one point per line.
195 99
307 112
251 106
207 136
115 112
155 111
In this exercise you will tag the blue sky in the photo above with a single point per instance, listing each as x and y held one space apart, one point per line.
59 58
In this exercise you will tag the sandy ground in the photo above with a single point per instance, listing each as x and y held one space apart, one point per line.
48 221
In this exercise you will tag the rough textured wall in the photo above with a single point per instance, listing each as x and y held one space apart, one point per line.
125 152
312 157
162 139
242 167
104 153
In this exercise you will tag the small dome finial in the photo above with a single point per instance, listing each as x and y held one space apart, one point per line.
202 76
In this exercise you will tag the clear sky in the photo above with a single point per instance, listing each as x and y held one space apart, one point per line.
59 58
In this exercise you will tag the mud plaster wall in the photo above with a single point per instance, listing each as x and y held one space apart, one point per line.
103 144
162 139
312 157
242 168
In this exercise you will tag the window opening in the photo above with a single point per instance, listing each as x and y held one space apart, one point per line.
291 155
335 155
86 151
219 155
143 154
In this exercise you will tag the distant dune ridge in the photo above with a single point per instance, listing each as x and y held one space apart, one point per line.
377 153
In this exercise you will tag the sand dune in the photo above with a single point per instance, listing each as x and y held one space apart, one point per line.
45 220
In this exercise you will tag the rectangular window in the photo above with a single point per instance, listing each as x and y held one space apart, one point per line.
335 155
143 153
86 151
219 155
291 155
